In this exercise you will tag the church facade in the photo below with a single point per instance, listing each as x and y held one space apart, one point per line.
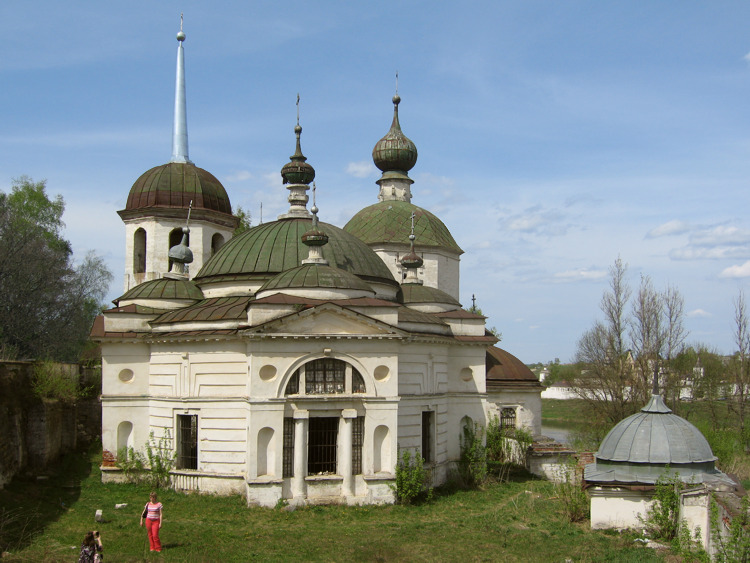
297 359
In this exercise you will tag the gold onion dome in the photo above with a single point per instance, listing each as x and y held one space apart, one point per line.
297 171
395 152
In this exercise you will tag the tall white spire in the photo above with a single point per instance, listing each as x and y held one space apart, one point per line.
179 130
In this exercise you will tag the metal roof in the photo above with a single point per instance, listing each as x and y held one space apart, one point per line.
312 276
390 222
418 293
163 288
214 309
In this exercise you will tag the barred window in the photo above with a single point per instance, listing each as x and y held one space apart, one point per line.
358 437
508 417
322 442
325 376
288 454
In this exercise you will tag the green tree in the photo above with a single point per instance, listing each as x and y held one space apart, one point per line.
47 300
246 220
492 330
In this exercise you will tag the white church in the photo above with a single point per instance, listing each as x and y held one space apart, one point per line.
297 359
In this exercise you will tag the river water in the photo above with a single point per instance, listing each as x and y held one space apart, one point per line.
557 433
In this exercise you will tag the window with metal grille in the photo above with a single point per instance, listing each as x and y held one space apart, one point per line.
325 376
508 417
358 437
358 384
292 388
427 423
187 441
288 454
322 439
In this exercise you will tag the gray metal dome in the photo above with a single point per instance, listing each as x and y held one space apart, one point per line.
655 435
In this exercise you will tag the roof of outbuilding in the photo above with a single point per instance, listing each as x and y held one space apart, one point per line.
214 309
655 436
503 366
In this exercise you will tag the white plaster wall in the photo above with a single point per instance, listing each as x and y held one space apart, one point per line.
617 508
440 269
528 405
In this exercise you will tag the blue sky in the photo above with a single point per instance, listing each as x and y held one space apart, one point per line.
552 136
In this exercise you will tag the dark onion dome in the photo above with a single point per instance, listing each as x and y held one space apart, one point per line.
314 237
163 288
175 185
390 222
411 260
414 293
315 276
268 249
395 152
297 171
655 435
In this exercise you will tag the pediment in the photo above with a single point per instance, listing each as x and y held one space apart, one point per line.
326 320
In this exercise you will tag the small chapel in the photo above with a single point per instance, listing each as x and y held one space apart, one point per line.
296 360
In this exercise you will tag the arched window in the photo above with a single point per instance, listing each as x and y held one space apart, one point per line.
325 376
139 251
217 241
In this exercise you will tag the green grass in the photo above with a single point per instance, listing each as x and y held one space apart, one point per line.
517 521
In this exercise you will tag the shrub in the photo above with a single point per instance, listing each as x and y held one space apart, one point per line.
154 466
411 479
734 545
662 520
506 448
472 465
51 381
568 489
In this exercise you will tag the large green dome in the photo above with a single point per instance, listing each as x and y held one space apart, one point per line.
390 222
271 248
175 185
315 276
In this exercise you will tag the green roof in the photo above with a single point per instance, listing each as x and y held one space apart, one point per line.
175 185
163 288
390 222
214 309
311 276
271 248
417 293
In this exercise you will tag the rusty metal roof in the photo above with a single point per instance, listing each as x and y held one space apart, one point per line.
176 184
214 309
504 366
390 222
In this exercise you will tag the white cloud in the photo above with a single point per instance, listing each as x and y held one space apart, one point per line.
700 313
721 234
674 227
239 176
747 57
735 271
580 274
720 252
537 220
361 169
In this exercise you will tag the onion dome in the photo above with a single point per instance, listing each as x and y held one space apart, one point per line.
180 253
175 185
163 289
297 170
389 222
268 249
395 152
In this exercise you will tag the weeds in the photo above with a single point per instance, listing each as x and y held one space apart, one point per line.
153 466
731 539
575 501
472 465
411 479
51 381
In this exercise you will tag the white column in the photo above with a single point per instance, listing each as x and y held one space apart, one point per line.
345 461
300 454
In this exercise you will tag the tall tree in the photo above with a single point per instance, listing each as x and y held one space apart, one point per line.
620 356
47 301
739 366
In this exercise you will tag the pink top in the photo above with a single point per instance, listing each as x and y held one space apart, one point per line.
154 510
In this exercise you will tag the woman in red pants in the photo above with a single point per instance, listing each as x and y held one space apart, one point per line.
152 514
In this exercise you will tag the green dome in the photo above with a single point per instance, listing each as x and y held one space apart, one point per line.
163 288
390 222
175 185
395 152
413 293
271 248
315 276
